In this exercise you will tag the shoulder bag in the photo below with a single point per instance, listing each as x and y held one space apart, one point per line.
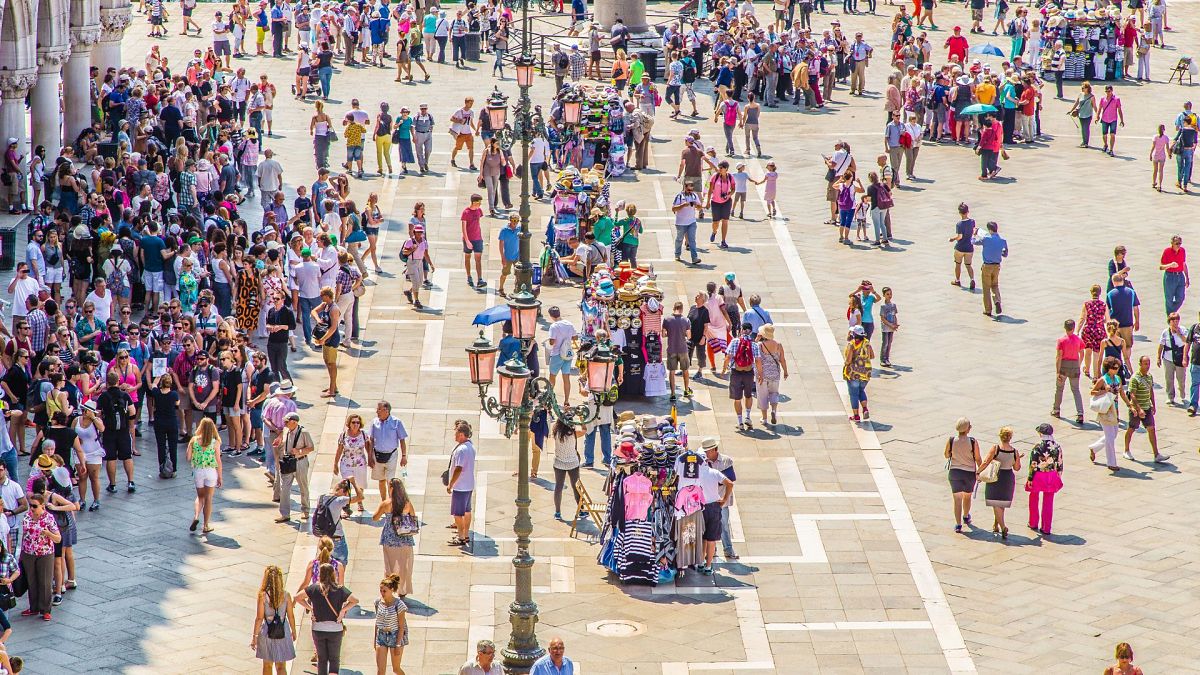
446 473
991 473
406 525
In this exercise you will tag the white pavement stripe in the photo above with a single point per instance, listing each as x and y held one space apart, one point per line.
789 475
851 625
949 636
479 524
840 516
659 198
418 470
441 287
431 347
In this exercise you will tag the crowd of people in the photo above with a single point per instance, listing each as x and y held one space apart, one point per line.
149 300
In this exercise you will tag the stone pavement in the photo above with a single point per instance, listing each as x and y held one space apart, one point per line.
848 559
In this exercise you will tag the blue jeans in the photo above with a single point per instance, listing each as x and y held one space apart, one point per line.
1194 373
1183 166
535 169
9 460
326 76
307 305
726 535
688 232
858 393
1174 289
223 291
589 444
879 220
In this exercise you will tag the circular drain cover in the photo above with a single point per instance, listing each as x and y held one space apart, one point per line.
616 628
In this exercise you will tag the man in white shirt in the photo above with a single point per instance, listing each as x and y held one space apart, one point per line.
220 29
461 125
539 151
718 490
15 504
462 483
562 355
308 288
22 286
356 114
240 87
101 299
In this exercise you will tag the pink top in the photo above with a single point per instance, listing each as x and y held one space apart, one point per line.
1158 148
1109 107
689 500
637 497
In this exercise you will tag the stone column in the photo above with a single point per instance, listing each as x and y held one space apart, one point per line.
113 22
44 103
631 12
14 86
77 87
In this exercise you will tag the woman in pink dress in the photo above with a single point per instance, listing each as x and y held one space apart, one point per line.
1160 151
1091 328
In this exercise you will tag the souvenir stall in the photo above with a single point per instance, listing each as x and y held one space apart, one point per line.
655 529
1090 41
576 192
628 303
593 132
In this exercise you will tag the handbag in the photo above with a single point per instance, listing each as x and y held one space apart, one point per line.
359 291
287 463
990 473
1102 403
332 136
8 599
356 237
406 525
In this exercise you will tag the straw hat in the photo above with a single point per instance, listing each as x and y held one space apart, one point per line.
767 331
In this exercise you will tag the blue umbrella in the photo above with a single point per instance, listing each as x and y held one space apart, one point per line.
497 314
977 109
987 49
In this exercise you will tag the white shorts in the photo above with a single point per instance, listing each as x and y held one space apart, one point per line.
386 471
153 281
358 474
54 275
205 477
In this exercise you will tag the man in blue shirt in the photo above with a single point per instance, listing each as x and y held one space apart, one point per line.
554 662
387 434
152 247
1124 310
756 316
510 250
995 250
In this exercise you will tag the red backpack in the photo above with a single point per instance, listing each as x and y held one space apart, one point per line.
743 356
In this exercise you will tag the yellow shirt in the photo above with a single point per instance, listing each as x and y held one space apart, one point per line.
354 134
986 93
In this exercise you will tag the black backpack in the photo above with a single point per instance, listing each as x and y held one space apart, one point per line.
34 402
689 70
323 523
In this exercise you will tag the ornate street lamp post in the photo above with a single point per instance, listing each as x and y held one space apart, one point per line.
518 396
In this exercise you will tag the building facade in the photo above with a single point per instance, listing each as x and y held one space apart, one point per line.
48 47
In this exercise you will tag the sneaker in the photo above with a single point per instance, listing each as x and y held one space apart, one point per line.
111 489
46 616
730 555
712 237
1129 456
866 414
131 488
674 397
56 599
557 515
470 281
94 507
1191 411
27 612
1160 459
749 426
972 285
739 425
773 422
688 393
482 283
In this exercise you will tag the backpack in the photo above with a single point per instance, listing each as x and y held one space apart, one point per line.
743 356
689 70
1012 28
323 523
34 402
883 197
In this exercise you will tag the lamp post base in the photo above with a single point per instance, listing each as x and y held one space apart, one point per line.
523 648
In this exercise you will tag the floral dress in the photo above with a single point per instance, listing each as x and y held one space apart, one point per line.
1093 328
353 463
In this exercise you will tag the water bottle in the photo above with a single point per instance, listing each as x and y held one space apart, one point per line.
404 474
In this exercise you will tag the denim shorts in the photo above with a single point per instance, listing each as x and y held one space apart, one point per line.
475 247
1108 127
387 638
560 365
353 153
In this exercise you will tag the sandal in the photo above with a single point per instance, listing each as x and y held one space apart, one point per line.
455 541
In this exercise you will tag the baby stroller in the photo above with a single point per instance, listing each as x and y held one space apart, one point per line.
312 86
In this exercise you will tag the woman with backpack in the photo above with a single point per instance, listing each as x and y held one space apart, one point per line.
879 196
962 451
415 255
396 535
273 637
